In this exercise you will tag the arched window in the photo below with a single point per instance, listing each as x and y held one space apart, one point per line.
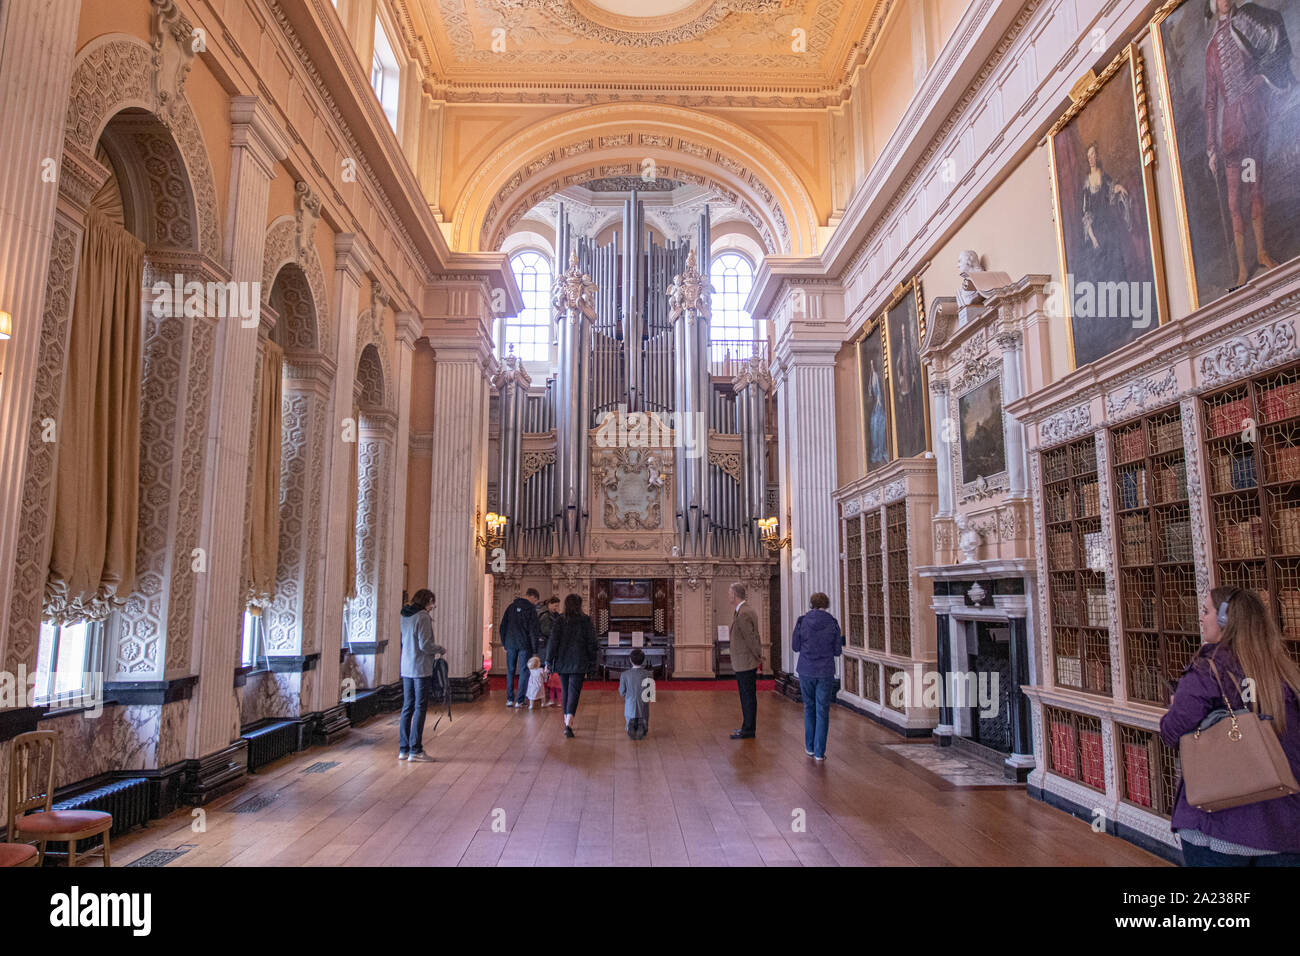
732 276
530 331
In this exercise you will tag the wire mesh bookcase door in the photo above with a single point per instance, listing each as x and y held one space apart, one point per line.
1076 579
874 579
1157 574
853 583
1252 454
900 590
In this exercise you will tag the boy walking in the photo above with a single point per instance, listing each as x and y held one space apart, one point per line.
636 687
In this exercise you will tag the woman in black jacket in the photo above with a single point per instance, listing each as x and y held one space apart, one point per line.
571 653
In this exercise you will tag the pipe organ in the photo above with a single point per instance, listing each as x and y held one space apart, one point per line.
632 457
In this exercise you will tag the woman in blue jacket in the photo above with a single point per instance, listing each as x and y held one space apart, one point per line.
817 641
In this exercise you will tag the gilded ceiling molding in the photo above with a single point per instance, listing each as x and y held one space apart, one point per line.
565 151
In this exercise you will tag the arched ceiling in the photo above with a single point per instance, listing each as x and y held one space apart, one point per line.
738 47
616 141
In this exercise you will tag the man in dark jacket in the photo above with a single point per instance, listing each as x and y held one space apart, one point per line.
520 636
550 613
817 641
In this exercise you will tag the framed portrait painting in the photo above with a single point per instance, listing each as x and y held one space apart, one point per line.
1232 105
1108 238
874 381
904 328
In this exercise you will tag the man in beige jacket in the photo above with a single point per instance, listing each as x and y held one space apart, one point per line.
746 659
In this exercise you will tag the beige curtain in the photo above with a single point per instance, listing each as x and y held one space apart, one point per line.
263 557
353 492
97 481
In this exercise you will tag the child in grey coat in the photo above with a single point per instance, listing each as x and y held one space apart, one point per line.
636 687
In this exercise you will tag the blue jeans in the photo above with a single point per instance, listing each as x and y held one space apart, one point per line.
1194 855
415 701
816 693
517 667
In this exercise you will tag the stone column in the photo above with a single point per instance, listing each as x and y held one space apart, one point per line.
947 432
258 146
1022 736
805 383
944 666
40 42
408 331
1012 389
460 336
351 264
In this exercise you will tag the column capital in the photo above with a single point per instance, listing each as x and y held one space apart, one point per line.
409 328
351 256
254 127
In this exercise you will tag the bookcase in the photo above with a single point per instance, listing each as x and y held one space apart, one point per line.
849 680
1148 770
1252 454
1076 560
1074 747
874 579
855 625
900 584
1156 576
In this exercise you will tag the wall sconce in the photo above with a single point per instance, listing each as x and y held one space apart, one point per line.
770 531
496 530
6 325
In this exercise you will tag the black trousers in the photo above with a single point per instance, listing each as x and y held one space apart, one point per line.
572 687
747 682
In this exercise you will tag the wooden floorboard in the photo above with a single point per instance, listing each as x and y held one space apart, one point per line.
507 789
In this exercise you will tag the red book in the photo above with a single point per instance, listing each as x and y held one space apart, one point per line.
1094 768
1137 774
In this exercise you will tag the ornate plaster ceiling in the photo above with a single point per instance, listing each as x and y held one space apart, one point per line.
508 49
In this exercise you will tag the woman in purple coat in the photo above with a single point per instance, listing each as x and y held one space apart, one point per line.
1243 642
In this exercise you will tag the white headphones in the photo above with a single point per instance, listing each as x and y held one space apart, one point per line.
1223 608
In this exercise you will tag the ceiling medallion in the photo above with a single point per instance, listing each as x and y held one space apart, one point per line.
673 22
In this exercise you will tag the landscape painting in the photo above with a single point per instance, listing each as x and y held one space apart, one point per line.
983 443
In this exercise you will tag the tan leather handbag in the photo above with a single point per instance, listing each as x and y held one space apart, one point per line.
1234 758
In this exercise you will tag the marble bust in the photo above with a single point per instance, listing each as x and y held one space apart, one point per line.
968 539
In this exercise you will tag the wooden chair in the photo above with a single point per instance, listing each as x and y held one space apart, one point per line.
17 854
31 787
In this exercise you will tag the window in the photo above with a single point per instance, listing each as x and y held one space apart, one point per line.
68 660
732 277
530 333
253 644
384 74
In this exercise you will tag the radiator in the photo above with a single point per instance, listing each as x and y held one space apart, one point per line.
126 799
270 741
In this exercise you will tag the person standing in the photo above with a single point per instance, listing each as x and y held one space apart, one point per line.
418 654
571 653
817 641
519 636
550 613
1240 644
746 659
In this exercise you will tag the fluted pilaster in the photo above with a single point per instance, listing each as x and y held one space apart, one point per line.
257 146
35 75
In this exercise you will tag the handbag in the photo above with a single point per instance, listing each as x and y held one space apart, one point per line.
1234 758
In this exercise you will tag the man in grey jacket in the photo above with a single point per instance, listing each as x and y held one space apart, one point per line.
418 654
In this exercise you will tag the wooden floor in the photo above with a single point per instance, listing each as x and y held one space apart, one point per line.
507 789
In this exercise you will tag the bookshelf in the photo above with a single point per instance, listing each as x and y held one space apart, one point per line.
1076 580
900 583
1074 747
875 582
853 540
1156 569
1252 454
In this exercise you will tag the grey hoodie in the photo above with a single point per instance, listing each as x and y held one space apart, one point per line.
418 647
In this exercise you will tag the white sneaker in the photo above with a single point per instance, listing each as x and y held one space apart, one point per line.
420 757
808 752
402 755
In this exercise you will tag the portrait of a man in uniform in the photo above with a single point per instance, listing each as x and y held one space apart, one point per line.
1235 104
